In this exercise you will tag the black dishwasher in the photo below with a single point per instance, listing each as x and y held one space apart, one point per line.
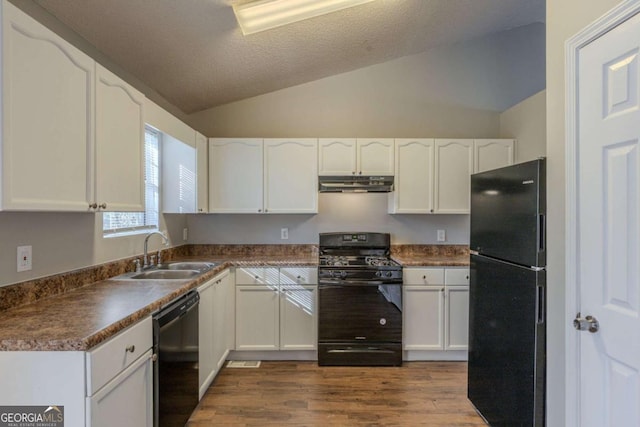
175 375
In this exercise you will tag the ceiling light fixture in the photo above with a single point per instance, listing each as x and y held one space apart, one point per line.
266 14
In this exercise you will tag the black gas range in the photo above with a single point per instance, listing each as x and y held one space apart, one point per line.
360 301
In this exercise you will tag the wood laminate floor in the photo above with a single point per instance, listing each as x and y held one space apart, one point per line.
304 394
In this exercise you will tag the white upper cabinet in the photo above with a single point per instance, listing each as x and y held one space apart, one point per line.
375 156
202 173
414 172
454 166
244 177
291 175
350 156
179 172
235 175
47 133
337 156
119 143
492 153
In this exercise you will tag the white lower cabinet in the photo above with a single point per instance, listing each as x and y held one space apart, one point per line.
436 304
276 310
110 385
127 400
215 328
120 379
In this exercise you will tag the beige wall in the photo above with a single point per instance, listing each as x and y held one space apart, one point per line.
564 19
527 121
455 91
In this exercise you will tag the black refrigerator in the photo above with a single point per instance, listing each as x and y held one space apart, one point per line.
507 295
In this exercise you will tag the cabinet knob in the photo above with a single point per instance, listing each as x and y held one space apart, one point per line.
431 210
130 349
360 173
259 210
103 206
199 209
424 278
93 205
353 173
266 210
467 277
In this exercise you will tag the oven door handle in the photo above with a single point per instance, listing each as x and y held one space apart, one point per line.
346 283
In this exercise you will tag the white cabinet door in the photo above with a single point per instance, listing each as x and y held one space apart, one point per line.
47 121
375 156
423 317
454 165
257 318
228 296
492 154
235 175
207 362
414 171
127 400
456 317
178 171
337 156
291 175
298 317
119 144
202 174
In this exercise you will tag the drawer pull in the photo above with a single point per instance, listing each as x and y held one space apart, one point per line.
130 349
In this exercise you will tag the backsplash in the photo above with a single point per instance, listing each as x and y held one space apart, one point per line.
33 290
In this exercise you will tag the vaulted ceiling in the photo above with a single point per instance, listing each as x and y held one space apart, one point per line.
193 53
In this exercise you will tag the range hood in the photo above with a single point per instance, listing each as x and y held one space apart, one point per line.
355 184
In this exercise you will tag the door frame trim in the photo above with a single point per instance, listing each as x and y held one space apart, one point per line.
596 29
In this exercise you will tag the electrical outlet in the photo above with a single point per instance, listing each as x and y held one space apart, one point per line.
24 258
185 234
442 236
284 233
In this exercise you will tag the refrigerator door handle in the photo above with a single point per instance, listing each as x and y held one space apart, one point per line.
542 223
540 305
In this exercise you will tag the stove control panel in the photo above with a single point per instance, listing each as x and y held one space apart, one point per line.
354 237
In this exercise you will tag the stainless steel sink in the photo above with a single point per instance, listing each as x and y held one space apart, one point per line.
201 266
160 275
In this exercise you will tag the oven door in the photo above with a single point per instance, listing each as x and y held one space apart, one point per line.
359 323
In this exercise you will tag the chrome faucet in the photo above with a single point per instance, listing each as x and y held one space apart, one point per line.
145 257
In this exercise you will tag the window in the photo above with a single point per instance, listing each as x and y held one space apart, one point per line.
118 223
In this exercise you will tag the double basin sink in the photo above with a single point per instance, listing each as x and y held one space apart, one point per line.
179 270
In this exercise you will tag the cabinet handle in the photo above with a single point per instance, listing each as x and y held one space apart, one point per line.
93 205
103 206
130 349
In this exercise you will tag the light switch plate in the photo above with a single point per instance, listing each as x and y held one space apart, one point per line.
442 236
284 233
25 258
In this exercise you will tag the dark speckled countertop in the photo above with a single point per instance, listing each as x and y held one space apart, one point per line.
82 317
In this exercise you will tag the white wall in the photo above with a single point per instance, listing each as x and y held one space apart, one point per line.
527 121
337 212
564 19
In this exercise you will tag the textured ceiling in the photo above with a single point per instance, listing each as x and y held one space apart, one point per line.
193 53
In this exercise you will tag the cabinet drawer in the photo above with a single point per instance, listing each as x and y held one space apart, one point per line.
257 276
110 358
423 276
456 276
298 276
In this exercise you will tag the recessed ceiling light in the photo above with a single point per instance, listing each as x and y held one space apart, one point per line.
263 15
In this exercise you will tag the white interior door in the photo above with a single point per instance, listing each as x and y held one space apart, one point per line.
606 255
